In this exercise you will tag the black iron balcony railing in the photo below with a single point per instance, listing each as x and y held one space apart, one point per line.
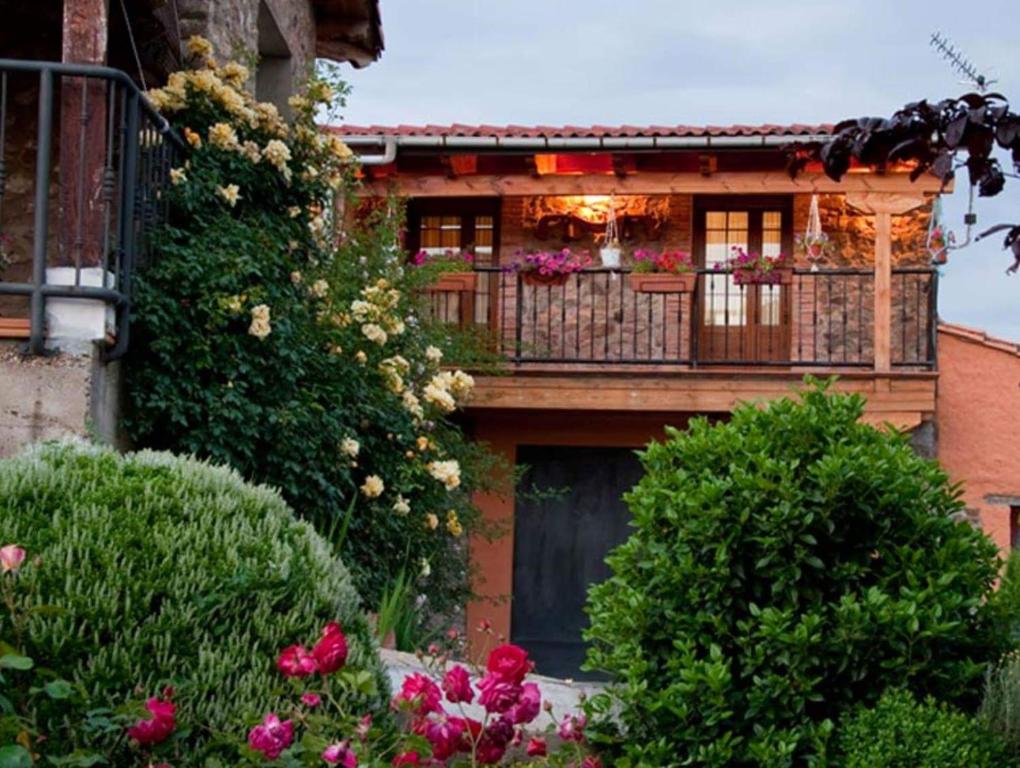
812 319
83 158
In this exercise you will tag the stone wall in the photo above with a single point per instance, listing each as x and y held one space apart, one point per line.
46 398
281 32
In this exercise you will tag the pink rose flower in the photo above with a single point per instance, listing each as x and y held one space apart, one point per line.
492 746
457 685
572 727
498 695
11 558
528 705
272 736
446 736
296 661
509 663
156 728
591 762
311 700
331 651
407 759
363 727
420 693
340 754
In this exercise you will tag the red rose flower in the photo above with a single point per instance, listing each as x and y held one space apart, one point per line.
537 747
509 663
331 651
407 758
457 685
296 661
272 736
157 728
420 693
446 737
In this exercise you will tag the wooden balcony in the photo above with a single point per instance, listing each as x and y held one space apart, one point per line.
596 341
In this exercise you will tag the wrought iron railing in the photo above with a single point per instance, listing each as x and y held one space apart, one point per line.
812 319
83 160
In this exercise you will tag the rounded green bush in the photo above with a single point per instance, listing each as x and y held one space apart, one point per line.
156 570
787 565
900 731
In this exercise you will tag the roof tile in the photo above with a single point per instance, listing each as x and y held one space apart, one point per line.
593 131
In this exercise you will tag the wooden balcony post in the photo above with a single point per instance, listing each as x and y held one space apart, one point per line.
83 111
883 205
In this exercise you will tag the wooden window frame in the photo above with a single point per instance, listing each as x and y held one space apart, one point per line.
755 204
468 208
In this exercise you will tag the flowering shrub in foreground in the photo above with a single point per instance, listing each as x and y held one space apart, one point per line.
267 339
434 727
147 571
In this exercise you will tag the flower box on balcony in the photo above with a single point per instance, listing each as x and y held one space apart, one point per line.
534 277
662 282
454 282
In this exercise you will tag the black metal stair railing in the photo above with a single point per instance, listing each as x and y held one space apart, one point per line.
97 157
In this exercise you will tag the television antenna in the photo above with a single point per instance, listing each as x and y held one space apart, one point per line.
956 59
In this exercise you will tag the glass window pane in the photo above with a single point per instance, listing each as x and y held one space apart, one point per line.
737 220
772 220
715 220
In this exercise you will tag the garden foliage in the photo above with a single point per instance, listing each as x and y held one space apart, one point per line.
150 571
900 732
787 565
271 338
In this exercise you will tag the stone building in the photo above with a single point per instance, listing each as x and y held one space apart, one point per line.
55 217
600 361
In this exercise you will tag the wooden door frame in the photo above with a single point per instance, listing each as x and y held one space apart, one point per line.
755 205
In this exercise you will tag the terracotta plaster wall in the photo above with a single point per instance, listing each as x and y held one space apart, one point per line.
978 419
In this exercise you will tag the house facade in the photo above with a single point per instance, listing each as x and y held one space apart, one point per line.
82 160
600 362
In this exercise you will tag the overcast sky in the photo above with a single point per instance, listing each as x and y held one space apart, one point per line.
644 62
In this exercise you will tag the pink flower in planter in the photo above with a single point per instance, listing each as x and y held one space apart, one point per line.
331 651
591 762
537 747
497 694
157 728
311 700
572 727
296 661
457 685
363 727
420 694
528 705
272 736
11 558
340 754
510 663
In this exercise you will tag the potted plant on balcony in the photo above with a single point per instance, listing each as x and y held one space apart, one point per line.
452 270
814 244
662 272
752 268
549 267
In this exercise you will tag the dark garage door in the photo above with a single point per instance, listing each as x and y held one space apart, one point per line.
560 543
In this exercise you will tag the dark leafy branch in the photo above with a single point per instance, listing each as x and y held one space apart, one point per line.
938 138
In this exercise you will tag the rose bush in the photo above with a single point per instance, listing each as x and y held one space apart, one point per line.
273 335
434 728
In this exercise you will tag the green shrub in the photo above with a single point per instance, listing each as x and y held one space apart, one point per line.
155 570
900 732
786 566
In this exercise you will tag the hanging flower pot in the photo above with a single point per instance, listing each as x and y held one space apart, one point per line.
814 244
610 255
939 241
